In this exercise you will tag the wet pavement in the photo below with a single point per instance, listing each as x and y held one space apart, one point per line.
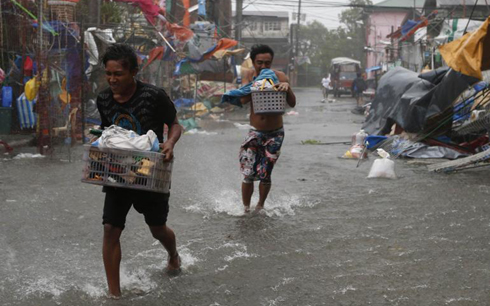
328 235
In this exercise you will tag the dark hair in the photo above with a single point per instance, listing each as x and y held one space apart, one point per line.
123 53
259 49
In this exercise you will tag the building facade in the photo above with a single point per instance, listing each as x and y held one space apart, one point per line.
383 19
269 28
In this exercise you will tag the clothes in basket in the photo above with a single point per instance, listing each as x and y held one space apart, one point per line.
116 137
233 96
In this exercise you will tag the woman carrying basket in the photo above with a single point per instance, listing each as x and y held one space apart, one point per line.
262 146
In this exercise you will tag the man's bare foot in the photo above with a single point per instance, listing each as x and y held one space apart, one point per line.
113 296
259 208
247 209
173 265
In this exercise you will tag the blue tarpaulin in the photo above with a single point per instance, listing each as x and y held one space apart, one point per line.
183 102
201 10
408 26
233 96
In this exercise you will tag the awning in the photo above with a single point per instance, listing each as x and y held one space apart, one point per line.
470 53
411 26
344 60
373 68
455 28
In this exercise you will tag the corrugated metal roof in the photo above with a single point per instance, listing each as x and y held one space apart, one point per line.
265 13
400 3
457 2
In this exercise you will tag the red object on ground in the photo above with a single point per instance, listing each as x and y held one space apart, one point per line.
473 145
459 148
7 147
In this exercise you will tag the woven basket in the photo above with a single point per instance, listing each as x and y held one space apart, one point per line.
269 101
141 170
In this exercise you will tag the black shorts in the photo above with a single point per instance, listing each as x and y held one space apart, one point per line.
118 202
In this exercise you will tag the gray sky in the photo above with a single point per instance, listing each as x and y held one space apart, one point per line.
324 11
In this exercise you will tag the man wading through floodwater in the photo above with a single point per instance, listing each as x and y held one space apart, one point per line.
262 147
140 107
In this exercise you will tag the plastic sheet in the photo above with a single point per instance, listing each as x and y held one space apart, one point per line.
410 100
410 149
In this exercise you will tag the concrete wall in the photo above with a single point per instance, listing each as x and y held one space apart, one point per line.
379 25
265 27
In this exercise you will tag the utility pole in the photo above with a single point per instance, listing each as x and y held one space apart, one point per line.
99 4
297 29
238 20
238 26
296 52
414 10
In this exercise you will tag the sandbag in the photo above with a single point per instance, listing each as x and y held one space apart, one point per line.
383 167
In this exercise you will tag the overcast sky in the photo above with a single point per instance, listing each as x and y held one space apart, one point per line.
324 11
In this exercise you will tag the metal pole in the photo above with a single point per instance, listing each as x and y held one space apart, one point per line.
40 28
238 21
1 34
432 58
297 29
98 13
41 101
195 88
414 9
82 87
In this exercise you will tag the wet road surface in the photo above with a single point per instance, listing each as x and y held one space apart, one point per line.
328 235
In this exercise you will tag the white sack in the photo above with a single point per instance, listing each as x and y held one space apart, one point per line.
383 167
116 137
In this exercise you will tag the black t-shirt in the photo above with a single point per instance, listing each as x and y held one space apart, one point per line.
148 109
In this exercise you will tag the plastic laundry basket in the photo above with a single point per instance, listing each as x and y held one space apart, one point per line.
143 170
269 101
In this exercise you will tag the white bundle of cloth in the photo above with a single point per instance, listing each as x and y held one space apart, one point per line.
116 137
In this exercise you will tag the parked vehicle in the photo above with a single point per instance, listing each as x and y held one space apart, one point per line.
343 71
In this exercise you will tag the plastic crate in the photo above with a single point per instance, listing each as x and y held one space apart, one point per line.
269 101
142 170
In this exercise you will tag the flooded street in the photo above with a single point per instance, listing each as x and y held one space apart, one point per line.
327 236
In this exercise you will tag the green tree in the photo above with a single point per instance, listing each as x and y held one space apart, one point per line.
321 45
353 20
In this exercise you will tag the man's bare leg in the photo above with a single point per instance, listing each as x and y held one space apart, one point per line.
111 253
166 236
360 101
264 189
247 191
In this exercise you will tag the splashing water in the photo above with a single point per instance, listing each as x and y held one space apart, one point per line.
229 202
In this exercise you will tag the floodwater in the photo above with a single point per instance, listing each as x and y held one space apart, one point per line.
328 235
